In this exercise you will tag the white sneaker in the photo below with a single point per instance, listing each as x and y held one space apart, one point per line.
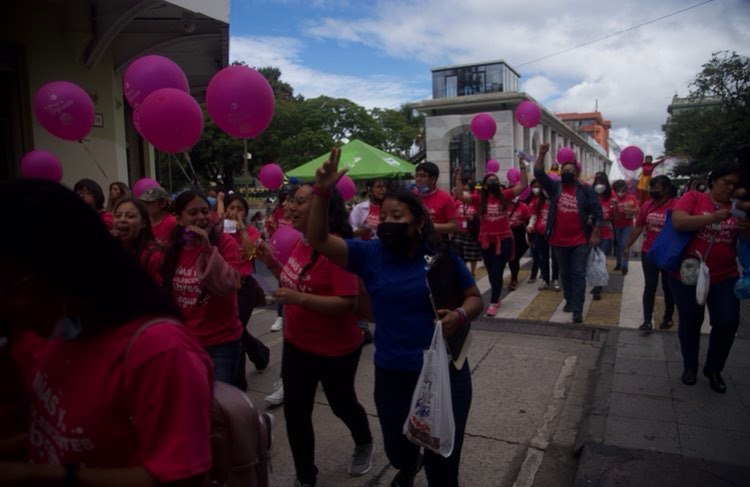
556 285
278 324
277 396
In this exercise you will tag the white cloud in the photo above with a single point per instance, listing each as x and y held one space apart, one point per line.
285 53
632 76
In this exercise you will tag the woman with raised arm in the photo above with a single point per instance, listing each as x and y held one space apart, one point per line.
393 270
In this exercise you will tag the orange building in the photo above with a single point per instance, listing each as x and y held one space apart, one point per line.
590 123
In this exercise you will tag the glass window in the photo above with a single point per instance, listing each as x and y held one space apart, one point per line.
451 86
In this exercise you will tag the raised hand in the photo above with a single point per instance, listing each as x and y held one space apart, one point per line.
328 173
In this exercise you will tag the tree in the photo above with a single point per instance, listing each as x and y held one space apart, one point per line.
712 133
402 129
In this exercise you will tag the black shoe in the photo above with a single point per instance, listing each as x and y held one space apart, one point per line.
717 383
597 296
368 337
689 377
578 319
666 324
617 268
646 326
406 479
624 271
568 308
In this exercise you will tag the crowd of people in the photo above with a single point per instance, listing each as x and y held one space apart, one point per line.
176 315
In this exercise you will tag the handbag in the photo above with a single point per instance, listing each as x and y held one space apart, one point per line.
430 423
666 251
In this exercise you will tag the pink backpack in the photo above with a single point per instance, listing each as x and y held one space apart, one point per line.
240 434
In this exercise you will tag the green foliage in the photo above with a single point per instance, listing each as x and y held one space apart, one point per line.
712 133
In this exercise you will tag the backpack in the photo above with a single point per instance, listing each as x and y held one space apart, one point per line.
240 434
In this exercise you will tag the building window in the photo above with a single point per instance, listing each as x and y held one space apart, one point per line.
451 86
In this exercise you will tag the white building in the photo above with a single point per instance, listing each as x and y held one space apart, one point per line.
460 92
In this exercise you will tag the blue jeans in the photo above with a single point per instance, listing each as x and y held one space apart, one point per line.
622 235
541 254
651 275
724 310
393 391
495 265
226 360
572 262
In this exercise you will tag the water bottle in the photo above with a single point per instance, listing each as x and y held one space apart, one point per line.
524 155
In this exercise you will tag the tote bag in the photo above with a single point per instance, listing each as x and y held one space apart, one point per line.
666 251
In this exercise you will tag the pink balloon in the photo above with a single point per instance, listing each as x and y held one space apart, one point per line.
142 185
346 187
513 175
282 242
171 120
271 176
64 109
528 114
150 73
241 101
566 154
631 158
483 126
137 122
493 166
41 164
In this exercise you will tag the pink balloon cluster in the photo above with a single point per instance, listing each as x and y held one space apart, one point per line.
565 155
631 157
346 187
271 176
41 164
64 109
282 242
492 166
528 114
483 126
240 101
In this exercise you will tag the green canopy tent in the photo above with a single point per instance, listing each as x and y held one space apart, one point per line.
364 162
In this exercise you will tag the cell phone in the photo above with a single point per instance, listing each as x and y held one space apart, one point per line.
230 226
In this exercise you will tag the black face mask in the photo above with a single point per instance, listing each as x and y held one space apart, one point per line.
655 195
493 187
395 236
568 178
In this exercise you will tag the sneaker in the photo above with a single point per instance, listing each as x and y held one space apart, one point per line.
277 396
531 280
278 324
666 324
544 286
361 460
492 309
646 326
556 285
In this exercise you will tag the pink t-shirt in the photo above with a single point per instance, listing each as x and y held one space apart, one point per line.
465 212
521 214
540 227
246 265
651 218
151 259
89 406
163 229
568 229
107 218
722 259
440 206
212 319
494 224
627 205
319 333
608 213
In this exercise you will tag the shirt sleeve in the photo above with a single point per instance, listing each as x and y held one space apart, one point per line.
168 384
358 255
464 276
688 202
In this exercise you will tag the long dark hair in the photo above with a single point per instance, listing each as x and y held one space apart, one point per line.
601 178
338 223
542 197
92 187
177 240
145 238
484 195
430 238
83 260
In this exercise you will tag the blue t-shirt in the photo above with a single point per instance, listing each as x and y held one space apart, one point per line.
404 318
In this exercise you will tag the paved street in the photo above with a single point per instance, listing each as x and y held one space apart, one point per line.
544 389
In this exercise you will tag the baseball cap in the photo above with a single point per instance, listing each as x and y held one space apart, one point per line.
154 193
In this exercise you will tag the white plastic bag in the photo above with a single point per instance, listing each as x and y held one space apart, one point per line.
596 268
430 422
703 284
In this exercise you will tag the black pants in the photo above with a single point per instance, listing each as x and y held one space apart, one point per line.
651 275
519 241
300 372
256 351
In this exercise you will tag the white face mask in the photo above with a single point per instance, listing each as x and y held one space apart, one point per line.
535 191
599 188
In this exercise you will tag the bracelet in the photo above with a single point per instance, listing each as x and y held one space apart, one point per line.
463 317
320 192
71 475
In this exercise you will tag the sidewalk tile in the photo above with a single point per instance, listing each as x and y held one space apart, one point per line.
642 434
631 405
642 384
720 446
641 367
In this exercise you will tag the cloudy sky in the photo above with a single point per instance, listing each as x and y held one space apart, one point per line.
379 53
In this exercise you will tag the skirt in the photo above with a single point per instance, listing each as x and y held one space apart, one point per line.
468 247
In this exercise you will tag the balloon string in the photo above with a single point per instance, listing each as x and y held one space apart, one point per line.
95 161
190 164
174 156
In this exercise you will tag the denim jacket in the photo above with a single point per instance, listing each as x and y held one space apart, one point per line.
589 208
